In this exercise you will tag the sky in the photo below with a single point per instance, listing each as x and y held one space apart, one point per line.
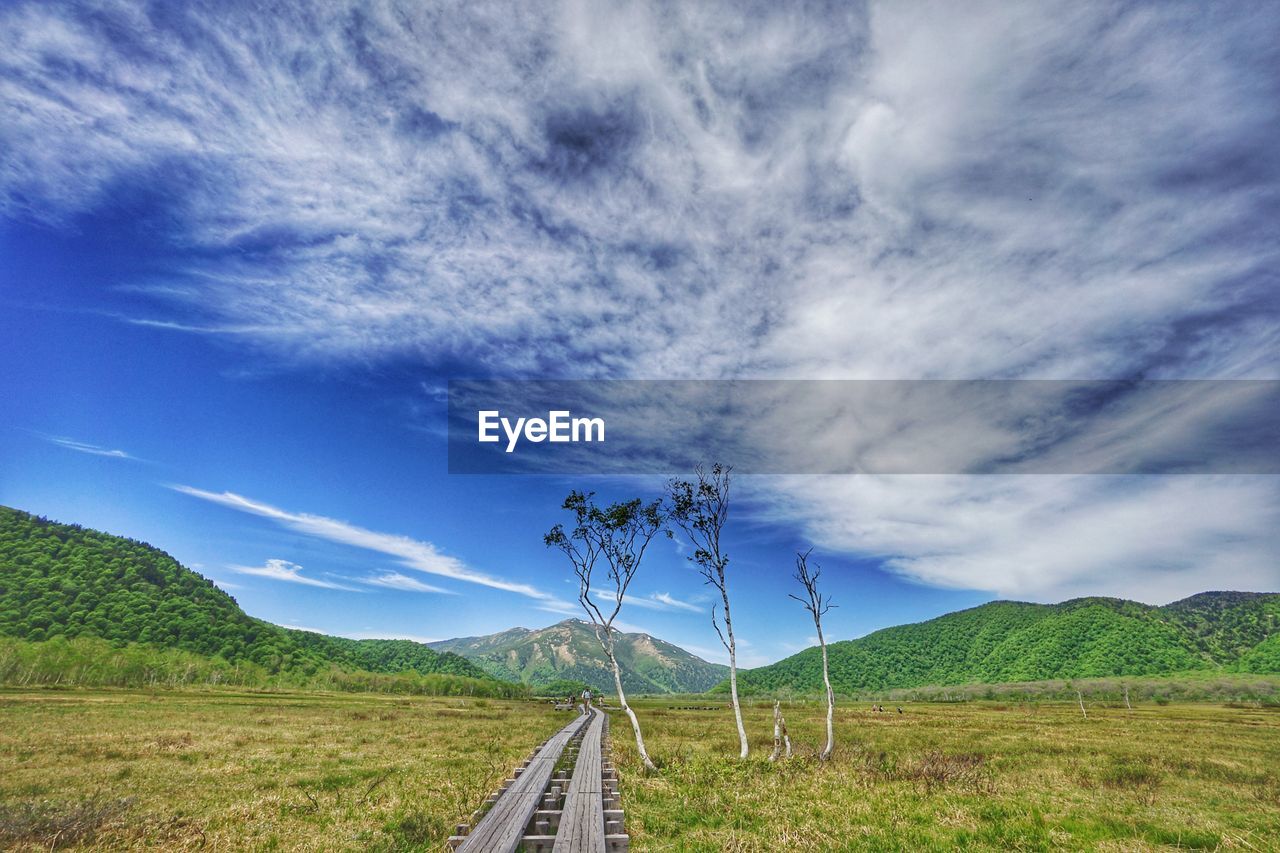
242 255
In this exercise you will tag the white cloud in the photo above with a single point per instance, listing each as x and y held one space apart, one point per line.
225 585
365 635
385 635
910 190
667 600
913 190
652 601
85 447
707 653
1153 539
561 608
395 580
747 659
293 627
283 570
413 553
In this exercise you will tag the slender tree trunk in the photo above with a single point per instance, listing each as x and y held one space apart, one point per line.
733 672
1080 699
831 701
777 731
780 736
1126 698
622 700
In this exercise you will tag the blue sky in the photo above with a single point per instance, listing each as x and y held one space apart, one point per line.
240 258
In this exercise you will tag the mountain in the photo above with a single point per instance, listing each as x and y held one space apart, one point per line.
1006 641
569 650
63 580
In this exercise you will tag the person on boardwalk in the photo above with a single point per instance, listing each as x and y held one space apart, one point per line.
586 700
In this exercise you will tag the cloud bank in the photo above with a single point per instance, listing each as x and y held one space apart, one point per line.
884 190
659 190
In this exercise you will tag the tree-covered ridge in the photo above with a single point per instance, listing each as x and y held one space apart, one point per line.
1226 626
570 650
1007 641
63 580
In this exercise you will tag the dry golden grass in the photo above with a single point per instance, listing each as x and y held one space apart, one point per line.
235 771
230 771
978 776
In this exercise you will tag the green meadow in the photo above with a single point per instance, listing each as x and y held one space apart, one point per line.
219 770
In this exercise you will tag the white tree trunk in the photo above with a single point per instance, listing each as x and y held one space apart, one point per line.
831 701
1126 698
622 700
1080 699
777 731
733 673
780 736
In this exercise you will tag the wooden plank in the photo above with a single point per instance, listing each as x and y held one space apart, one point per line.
502 827
582 823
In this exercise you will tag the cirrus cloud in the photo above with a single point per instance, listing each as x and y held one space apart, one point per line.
880 190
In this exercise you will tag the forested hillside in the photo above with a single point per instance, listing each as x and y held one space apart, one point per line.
1008 641
63 580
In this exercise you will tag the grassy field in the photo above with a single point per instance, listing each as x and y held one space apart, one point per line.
223 770
978 775
236 771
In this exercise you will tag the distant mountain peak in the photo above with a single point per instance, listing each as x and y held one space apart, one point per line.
569 650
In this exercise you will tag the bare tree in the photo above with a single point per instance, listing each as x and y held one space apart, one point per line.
1126 698
780 736
700 510
1080 699
618 534
818 605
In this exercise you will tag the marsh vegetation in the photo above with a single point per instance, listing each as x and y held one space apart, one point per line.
232 769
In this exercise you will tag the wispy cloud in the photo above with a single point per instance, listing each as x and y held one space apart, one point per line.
395 580
890 190
85 447
562 608
225 585
392 635
367 634
898 189
667 600
294 627
412 553
652 601
283 570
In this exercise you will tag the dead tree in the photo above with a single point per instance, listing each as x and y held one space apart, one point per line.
780 736
618 534
818 605
1126 698
1080 699
700 510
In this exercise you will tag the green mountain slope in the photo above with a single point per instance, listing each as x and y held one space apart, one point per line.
1226 626
62 580
570 650
1008 641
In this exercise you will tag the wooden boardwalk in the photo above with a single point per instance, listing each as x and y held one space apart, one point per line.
528 814
503 826
582 821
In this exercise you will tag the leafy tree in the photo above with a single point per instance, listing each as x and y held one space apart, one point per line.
700 509
619 534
